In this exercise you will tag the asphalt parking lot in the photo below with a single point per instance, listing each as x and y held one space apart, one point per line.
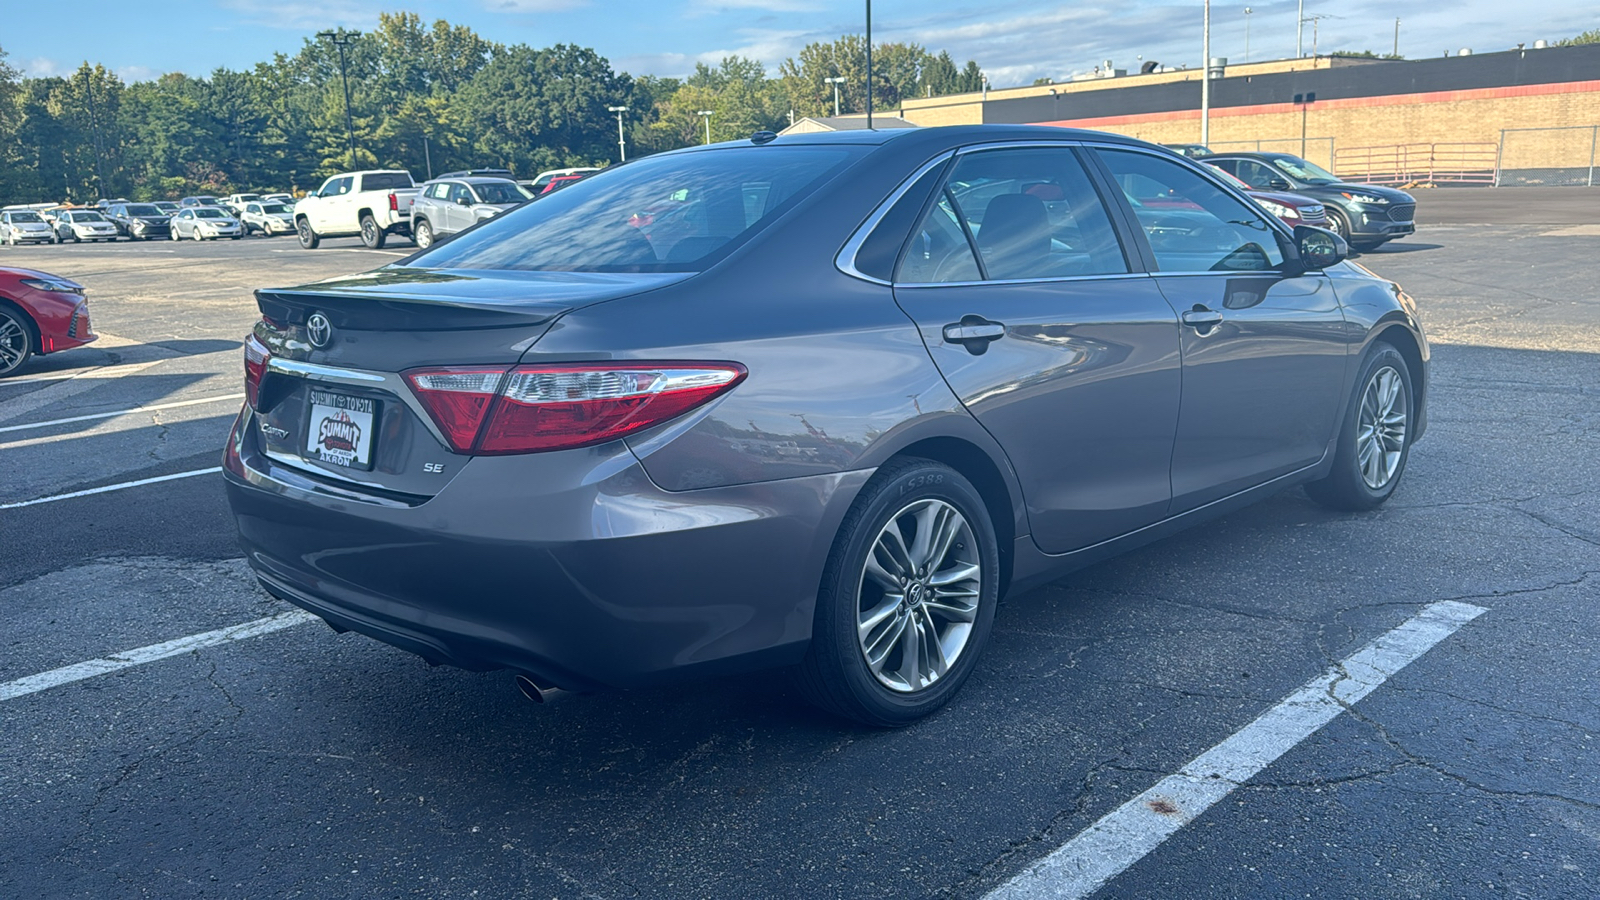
293 762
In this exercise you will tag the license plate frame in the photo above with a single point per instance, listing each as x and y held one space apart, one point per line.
341 429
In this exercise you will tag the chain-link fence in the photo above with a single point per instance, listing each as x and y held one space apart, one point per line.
1316 149
1556 156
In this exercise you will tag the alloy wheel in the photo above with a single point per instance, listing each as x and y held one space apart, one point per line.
14 343
918 595
1381 427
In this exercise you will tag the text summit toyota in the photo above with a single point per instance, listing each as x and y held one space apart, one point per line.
813 402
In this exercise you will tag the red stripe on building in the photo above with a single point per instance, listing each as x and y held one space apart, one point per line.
1499 93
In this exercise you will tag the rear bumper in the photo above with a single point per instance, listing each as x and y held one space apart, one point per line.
571 566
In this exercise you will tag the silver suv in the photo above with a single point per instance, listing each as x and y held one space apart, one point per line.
460 200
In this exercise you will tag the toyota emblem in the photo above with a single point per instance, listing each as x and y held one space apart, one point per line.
319 330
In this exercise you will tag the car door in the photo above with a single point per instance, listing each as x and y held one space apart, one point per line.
460 206
1264 353
1031 306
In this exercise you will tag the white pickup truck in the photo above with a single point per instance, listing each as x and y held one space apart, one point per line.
372 204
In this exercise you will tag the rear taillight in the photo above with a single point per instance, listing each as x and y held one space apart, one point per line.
256 355
458 399
559 407
394 202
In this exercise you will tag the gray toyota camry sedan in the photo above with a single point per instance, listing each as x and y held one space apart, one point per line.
813 402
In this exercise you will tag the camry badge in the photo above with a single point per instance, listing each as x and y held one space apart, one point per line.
319 330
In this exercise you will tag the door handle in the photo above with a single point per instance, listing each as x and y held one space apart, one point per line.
975 333
1202 318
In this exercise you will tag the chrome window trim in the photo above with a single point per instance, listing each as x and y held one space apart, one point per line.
845 260
920 285
387 381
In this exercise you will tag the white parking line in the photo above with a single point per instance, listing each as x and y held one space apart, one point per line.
33 684
101 372
106 489
123 412
1126 834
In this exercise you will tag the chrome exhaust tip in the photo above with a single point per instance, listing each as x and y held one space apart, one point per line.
537 692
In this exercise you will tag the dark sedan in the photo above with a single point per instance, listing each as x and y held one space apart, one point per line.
822 407
1366 215
139 221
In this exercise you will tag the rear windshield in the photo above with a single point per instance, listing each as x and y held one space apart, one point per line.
206 201
206 212
676 213
385 181
143 210
493 192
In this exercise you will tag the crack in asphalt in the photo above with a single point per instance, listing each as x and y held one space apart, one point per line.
129 770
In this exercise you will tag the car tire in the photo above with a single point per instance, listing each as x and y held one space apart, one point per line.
1374 438
371 235
309 239
871 605
196 235
423 235
173 233
76 239
16 340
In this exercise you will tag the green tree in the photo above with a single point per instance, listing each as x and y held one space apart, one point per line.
1592 36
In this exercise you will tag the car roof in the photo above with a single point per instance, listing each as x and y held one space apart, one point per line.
1254 154
950 136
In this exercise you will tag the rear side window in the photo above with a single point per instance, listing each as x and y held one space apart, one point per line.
671 213
1031 213
385 181
1192 224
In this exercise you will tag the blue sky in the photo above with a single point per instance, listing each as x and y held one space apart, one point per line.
1014 40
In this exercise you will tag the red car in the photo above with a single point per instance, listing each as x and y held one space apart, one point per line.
39 313
1293 209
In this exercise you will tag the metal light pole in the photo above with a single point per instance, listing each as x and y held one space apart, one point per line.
1299 29
1397 36
343 39
622 144
869 65
835 82
1247 12
706 114
1205 78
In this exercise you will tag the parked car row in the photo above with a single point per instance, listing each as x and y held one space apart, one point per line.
1292 188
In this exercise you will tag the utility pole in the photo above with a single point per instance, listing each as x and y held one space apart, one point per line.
342 39
869 65
1397 36
1304 101
427 156
706 114
835 82
1205 77
94 123
622 142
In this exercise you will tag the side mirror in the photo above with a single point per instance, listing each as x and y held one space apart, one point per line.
464 201
1318 248
1278 184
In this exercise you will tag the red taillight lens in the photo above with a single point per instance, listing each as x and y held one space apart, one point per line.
560 407
458 398
394 202
256 355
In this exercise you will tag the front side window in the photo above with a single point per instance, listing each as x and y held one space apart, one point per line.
499 192
1257 175
1030 213
668 213
460 194
1192 224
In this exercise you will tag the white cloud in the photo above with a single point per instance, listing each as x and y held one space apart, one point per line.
40 67
306 15
532 6
130 74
